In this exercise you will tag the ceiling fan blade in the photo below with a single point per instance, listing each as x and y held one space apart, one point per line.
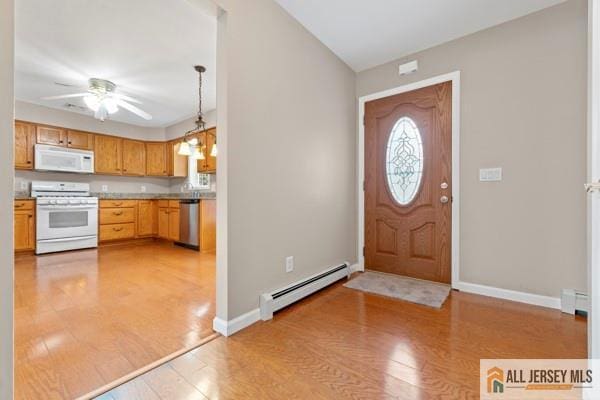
126 98
134 109
65 96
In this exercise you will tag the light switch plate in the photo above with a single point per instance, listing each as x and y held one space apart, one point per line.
105 188
289 264
490 174
143 189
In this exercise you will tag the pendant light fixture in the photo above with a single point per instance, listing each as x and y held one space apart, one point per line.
191 146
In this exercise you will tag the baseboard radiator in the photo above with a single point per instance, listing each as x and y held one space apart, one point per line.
274 301
574 302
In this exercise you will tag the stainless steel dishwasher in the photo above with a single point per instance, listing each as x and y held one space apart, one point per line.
189 214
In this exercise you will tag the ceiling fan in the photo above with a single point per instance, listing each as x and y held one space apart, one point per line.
102 99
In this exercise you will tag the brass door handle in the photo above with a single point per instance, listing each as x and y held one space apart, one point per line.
444 199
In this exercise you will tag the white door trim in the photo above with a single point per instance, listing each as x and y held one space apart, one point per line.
593 209
453 77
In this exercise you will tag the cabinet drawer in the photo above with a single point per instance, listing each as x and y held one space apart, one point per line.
117 203
173 203
117 231
116 215
24 204
163 203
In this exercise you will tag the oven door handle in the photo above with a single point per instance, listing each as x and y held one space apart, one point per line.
71 239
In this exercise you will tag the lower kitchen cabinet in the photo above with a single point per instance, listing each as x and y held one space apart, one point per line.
24 225
146 220
168 219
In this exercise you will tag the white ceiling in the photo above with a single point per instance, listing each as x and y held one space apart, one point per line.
145 47
367 33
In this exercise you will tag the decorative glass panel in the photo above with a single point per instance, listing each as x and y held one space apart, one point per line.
404 161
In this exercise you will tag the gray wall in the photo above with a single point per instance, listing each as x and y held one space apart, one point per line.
290 153
6 182
523 108
179 129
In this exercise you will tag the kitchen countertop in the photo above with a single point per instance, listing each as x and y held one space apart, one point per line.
136 196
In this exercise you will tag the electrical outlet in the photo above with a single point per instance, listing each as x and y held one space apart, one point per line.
105 188
143 189
289 264
23 185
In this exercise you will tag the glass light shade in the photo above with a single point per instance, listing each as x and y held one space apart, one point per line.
92 102
213 151
110 105
193 141
184 149
198 154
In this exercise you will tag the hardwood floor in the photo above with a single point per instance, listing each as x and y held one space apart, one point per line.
86 318
345 344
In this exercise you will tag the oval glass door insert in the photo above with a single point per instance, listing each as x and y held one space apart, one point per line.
404 161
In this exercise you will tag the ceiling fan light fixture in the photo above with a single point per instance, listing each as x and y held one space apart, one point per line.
110 104
92 102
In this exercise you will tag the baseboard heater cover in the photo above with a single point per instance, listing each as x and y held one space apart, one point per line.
574 302
274 301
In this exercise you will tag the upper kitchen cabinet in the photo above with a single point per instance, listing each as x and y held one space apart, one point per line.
108 154
24 142
80 140
208 139
178 164
134 158
51 135
156 159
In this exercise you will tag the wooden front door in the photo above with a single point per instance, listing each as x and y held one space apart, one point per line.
408 183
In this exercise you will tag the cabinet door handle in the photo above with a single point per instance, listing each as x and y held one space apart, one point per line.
118 204
28 162
70 143
118 229
118 213
19 205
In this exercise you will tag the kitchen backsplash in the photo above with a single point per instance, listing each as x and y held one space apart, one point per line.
105 183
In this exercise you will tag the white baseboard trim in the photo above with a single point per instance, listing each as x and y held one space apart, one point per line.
506 294
228 328
356 268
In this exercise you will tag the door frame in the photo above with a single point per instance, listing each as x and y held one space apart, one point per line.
453 77
593 202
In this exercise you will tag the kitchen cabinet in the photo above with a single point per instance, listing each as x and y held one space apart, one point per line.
146 218
117 220
24 144
51 135
134 158
178 165
208 139
24 225
80 140
156 159
108 154
168 219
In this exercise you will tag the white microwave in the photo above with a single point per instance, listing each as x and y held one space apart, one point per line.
52 158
